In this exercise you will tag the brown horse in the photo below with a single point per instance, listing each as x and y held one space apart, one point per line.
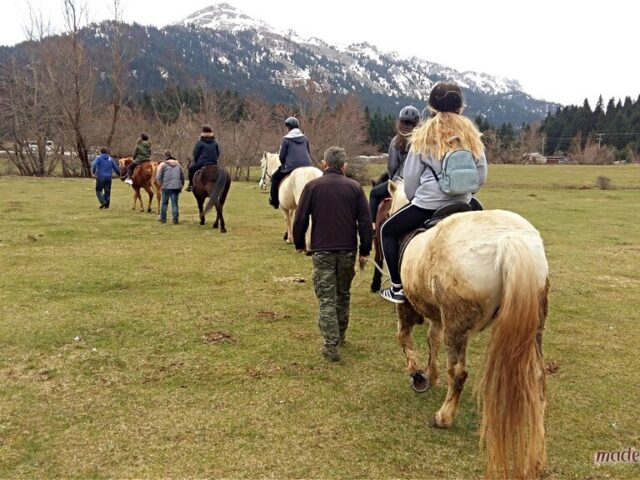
144 176
212 181
470 271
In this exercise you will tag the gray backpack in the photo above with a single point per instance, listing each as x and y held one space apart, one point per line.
459 173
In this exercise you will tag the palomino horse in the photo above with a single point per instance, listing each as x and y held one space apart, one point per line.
472 270
144 176
212 181
290 188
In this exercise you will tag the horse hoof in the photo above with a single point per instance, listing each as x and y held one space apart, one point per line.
439 423
286 236
223 230
419 382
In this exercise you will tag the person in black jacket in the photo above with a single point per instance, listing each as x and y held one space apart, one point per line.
338 207
206 152
294 153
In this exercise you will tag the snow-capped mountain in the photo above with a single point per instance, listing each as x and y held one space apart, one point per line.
384 77
226 49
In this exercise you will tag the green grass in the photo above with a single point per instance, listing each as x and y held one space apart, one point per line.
193 361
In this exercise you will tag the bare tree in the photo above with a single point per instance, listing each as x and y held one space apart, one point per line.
120 61
72 79
25 106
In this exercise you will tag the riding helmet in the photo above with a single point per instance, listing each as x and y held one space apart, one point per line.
409 114
292 122
446 97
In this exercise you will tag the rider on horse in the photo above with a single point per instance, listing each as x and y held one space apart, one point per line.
294 153
398 150
206 152
446 130
141 155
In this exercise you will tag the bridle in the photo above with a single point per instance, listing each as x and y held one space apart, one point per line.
264 177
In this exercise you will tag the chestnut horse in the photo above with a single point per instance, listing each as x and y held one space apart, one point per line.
212 181
144 176
290 187
470 271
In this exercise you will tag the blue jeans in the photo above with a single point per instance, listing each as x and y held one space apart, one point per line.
166 195
103 190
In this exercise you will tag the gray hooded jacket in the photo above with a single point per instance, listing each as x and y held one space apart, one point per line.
170 175
294 151
422 188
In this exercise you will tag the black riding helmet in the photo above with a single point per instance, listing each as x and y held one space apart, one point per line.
409 114
292 122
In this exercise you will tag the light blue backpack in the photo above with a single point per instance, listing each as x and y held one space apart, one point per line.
459 173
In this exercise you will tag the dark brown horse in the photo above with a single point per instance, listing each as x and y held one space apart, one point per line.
212 181
381 217
144 176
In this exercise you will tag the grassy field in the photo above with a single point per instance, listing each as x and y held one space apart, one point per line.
134 349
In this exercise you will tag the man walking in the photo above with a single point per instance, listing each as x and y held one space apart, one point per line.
171 179
340 212
101 168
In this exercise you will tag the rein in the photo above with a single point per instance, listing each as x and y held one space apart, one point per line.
265 175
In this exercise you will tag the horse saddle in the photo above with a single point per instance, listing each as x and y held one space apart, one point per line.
438 216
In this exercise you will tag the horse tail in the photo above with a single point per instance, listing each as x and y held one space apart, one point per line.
215 195
512 390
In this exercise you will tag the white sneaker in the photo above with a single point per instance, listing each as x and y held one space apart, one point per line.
392 295
128 181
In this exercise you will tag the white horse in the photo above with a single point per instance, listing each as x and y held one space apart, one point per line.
290 188
472 270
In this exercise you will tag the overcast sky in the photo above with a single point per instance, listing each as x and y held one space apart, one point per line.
558 50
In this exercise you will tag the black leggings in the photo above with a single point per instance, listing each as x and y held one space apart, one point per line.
276 178
376 196
399 224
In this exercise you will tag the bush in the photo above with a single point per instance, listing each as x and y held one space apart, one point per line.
604 183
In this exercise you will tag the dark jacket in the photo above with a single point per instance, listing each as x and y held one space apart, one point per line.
103 165
142 152
339 210
206 151
397 157
294 151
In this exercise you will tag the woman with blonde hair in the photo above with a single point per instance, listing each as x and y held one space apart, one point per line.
446 130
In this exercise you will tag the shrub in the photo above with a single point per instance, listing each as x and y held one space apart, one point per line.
604 183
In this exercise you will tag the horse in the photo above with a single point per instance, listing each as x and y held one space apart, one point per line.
290 188
381 215
144 176
470 271
212 181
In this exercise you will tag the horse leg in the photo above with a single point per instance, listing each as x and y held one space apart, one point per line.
200 201
219 214
407 318
435 339
456 340
287 220
150 193
139 197
217 222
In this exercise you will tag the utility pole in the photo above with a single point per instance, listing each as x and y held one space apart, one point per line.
599 135
543 140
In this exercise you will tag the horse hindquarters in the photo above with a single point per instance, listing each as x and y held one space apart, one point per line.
512 390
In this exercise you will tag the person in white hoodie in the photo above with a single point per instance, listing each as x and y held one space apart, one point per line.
446 130
294 153
171 179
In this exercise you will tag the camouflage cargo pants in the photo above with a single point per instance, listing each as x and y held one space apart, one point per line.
332 276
